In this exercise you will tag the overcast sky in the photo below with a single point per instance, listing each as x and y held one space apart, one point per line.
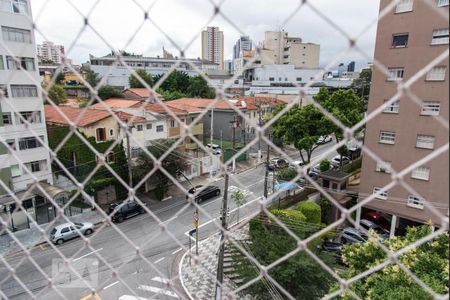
116 21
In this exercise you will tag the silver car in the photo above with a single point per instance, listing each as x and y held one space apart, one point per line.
68 231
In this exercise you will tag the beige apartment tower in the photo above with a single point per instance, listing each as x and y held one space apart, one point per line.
408 38
212 46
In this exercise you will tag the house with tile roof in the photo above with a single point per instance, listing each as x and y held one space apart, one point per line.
145 94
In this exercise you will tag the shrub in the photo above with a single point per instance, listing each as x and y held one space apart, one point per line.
311 211
326 208
325 165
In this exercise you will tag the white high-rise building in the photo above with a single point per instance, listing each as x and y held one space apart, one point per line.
212 46
50 52
22 118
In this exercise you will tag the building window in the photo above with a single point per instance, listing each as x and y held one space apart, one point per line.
12 144
139 127
2 64
22 91
430 108
3 91
7 119
111 132
100 134
422 173
299 79
30 116
392 108
440 37
159 128
437 74
400 40
29 143
148 126
14 6
111 158
15 171
25 63
396 74
425 141
16 35
442 3
36 166
172 124
404 6
271 79
415 201
387 137
384 167
382 193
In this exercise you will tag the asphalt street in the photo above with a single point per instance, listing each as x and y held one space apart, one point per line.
132 260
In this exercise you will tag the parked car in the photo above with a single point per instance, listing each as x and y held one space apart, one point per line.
68 231
128 210
215 148
297 163
353 235
277 163
204 193
335 161
334 248
324 139
366 224
377 219
315 169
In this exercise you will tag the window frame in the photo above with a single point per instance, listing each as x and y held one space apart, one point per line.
389 109
419 171
384 141
149 126
434 76
415 201
434 108
31 116
24 91
440 39
159 128
16 35
397 70
97 130
422 144
383 195
9 117
2 63
397 35
439 4
139 127
404 6
384 167
28 143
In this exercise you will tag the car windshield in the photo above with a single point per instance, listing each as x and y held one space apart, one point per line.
53 231
79 224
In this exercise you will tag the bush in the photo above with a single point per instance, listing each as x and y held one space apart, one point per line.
326 208
325 165
289 215
311 211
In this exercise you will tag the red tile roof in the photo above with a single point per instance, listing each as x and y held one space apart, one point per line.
253 102
143 92
158 108
116 103
89 117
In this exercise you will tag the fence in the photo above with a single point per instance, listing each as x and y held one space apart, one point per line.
134 260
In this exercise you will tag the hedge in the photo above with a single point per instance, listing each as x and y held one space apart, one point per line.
311 211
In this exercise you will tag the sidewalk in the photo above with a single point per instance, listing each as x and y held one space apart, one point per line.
31 237
199 280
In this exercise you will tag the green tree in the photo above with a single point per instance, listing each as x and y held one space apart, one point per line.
286 174
238 197
311 211
342 151
57 94
172 163
167 96
92 78
107 91
429 262
198 88
325 165
361 86
59 79
177 81
134 82
302 127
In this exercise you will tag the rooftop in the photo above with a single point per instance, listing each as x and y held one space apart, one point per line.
143 92
116 103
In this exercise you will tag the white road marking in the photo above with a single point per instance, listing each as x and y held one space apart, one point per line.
129 297
110 285
160 279
87 254
159 260
158 291
176 251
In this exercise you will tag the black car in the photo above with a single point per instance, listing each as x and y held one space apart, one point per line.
129 209
204 192
277 163
334 249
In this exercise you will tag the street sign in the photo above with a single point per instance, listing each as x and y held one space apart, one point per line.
192 231
195 223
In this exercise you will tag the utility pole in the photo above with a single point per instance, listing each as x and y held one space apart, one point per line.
266 176
211 142
130 173
222 241
234 124
196 216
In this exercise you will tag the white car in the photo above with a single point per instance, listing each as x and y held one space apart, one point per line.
297 163
324 139
68 231
336 161
215 148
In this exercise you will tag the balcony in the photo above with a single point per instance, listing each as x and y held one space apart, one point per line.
197 129
16 7
191 146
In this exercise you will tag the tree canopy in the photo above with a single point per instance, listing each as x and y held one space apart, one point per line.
361 85
92 78
178 85
57 94
134 82
107 91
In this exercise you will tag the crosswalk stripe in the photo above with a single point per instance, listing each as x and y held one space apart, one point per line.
158 291
129 297
162 280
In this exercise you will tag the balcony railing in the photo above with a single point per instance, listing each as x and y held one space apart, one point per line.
197 129
17 6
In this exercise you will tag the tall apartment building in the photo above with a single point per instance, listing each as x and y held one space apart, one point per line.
49 51
279 48
212 46
244 43
408 39
20 99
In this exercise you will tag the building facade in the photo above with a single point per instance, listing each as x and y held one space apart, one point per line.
48 51
279 48
213 46
408 39
23 157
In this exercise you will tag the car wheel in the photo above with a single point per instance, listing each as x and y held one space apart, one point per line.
60 241
120 219
217 192
88 231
